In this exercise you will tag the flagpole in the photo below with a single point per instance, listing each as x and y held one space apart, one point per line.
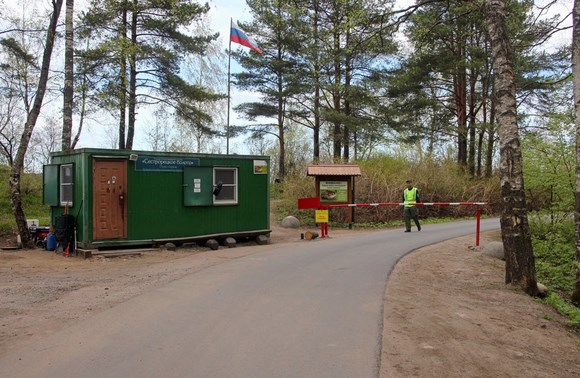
228 120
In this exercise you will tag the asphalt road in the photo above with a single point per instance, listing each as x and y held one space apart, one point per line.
297 310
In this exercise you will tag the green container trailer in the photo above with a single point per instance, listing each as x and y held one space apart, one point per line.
130 198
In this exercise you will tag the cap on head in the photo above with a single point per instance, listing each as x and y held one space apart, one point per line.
409 181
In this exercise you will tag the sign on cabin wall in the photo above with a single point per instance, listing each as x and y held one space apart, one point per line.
165 164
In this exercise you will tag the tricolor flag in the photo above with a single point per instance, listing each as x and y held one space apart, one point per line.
237 35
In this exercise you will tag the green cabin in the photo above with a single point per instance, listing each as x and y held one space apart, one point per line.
134 198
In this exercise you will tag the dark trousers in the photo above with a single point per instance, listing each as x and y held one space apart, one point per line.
411 213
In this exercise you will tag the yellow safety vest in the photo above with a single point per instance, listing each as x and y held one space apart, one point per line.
410 195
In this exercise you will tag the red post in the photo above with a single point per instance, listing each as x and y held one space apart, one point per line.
477 225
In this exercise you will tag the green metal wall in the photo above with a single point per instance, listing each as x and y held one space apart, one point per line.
155 204
79 208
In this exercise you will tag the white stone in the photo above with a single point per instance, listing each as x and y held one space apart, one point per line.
290 222
494 249
542 290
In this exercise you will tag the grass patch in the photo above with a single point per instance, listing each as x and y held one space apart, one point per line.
556 265
566 309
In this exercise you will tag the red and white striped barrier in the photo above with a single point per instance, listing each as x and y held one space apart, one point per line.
314 203
402 204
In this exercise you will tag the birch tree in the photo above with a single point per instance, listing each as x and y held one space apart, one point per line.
520 265
68 78
31 118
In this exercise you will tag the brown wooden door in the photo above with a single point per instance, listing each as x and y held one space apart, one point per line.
109 198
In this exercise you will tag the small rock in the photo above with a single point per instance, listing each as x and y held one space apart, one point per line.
170 246
262 240
290 222
229 242
542 290
213 244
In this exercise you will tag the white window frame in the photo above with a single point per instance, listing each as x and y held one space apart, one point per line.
226 201
62 193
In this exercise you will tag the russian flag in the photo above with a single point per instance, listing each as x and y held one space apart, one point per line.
237 35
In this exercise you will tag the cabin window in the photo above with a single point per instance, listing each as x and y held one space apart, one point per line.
66 185
225 184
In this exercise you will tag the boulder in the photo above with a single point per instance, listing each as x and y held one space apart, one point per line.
494 249
290 222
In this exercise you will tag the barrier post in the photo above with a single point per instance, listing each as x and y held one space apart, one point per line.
321 217
477 225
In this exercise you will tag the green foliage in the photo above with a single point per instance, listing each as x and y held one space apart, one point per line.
31 188
565 308
556 265
550 177
555 253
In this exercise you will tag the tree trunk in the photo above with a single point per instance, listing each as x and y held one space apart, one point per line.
67 120
281 133
491 128
520 264
18 165
132 79
460 94
348 126
576 82
123 83
317 121
336 100
471 156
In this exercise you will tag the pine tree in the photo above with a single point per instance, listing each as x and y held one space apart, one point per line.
139 47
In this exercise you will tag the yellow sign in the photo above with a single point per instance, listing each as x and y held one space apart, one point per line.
321 216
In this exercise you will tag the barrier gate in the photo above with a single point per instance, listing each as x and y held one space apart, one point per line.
322 210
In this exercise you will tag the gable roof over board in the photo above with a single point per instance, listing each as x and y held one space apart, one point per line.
333 170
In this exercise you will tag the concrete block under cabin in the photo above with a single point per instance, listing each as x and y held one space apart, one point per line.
142 198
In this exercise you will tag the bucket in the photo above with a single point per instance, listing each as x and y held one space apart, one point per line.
51 242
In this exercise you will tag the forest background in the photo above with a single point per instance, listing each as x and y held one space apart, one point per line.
405 92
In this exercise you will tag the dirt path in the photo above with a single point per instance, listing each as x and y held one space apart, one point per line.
447 312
